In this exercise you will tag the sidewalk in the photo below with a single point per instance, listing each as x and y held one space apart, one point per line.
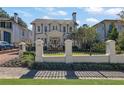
19 73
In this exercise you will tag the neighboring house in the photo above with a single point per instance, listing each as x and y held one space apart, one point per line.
52 31
12 31
104 26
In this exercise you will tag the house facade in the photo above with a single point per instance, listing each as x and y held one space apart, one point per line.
104 26
52 31
12 32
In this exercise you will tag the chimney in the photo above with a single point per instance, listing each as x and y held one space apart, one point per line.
74 16
16 17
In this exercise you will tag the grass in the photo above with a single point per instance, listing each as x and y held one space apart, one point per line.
74 54
59 82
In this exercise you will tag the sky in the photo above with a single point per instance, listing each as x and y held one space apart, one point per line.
85 15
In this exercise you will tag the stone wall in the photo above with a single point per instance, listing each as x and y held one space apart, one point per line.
109 57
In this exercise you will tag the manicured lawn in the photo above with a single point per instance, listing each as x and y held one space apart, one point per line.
74 54
59 82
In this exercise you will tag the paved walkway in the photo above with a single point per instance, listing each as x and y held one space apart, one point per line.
7 56
8 72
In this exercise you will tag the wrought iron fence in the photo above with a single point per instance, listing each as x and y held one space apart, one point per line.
94 49
54 53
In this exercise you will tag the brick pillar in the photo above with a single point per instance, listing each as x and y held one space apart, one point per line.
39 51
68 51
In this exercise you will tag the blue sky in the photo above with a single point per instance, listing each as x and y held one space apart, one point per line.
85 15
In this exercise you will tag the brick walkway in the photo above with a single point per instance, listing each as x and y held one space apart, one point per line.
7 56
8 72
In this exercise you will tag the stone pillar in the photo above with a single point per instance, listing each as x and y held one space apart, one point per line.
110 50
110 47
22 48
39 51
68 51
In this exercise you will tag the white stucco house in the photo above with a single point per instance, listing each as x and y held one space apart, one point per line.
12 31
103 27
53 31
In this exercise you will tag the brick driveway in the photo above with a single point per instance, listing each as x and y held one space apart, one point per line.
7 56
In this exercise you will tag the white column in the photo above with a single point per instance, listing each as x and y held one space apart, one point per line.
110 50
39 51
110 47
68 51
22 48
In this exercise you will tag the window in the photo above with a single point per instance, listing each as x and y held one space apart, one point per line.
45 28
56 28
45 40
2 24
38 28
23 33
9 25
53 27
70 29
64 29
41 28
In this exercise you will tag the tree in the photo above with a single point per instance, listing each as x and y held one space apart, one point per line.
84 36
112 33
121 40
121 15
3 14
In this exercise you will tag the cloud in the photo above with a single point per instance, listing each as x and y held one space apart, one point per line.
44 9
94 9
61 13
38 9
92 20
24 13
67 18
113 11
30 27
78 21
50 8
46 17
103 11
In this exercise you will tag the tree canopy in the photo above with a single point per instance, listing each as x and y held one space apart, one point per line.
4 14
112 33
84 36
121 14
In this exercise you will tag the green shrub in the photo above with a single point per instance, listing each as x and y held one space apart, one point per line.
99 47
27 59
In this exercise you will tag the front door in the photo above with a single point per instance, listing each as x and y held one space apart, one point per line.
54 43
7 36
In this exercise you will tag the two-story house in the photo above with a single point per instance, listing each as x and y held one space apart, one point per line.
104 26
53 31
12 31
